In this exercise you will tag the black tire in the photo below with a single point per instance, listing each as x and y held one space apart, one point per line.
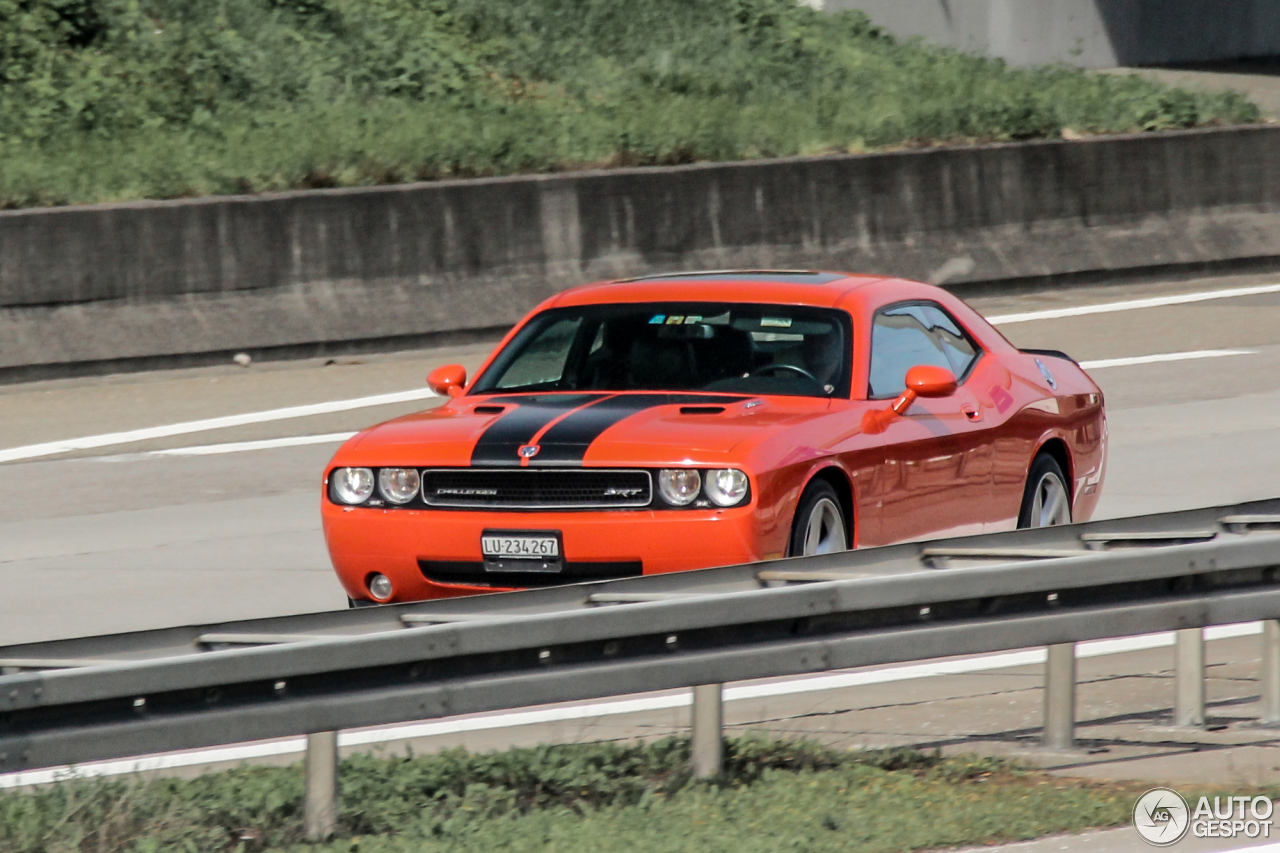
819 496
1044 468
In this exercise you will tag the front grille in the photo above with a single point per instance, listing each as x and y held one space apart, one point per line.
475 574
535 488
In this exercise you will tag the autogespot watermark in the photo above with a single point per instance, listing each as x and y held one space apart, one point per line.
1162 817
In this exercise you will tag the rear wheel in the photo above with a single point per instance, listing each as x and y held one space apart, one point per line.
819 526
1046 501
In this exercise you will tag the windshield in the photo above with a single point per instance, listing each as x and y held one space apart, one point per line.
733 348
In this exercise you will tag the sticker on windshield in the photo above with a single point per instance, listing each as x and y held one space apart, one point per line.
675 319
776 322
658 319
692 318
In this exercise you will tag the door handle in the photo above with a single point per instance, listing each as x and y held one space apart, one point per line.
972 412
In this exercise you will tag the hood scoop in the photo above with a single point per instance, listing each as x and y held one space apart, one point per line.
702 410
489 410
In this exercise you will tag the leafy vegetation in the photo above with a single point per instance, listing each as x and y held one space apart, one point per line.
123 99
775 795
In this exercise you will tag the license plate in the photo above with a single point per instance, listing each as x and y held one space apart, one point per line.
519 546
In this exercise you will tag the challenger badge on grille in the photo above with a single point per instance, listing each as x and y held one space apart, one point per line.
529 451
536 488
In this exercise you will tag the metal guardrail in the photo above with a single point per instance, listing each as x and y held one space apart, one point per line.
128 694
1126 534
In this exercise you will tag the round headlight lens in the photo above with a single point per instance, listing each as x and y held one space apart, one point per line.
679 486
398 485
351 485
380 586
726 486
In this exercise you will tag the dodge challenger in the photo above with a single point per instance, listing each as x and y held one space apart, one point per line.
702 419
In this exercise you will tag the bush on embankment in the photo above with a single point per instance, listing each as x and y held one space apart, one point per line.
593 798
124 99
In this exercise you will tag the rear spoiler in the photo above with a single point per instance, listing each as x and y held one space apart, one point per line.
1051 353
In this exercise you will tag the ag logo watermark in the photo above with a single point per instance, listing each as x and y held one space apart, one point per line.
1162 817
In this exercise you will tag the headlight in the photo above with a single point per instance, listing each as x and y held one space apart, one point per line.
679 486
726 486
398 485
351 485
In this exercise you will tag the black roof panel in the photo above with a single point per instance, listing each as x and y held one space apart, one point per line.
781 276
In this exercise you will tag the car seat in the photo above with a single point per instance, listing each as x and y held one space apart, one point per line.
658 363
730 353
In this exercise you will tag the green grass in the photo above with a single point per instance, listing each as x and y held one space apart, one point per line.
597 798
856 809
125 99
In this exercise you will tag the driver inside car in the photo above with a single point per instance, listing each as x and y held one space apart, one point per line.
822 358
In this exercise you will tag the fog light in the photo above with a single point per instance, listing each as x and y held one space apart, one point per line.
351 485
380 586
726 487
679 486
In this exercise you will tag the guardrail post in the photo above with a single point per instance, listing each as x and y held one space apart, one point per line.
1269 678
321 815
1060 697
1188 706
708 723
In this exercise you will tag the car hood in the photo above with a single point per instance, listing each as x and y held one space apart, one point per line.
577 429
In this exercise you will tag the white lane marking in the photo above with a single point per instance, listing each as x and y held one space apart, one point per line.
592 710
295 441
1132 304
51 448
1162 357
35 451
242 446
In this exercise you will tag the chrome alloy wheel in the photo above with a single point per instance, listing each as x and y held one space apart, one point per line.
1050 506
824 532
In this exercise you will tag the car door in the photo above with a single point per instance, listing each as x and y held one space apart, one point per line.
935 478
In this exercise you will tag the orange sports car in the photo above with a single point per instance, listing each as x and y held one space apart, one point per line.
704 419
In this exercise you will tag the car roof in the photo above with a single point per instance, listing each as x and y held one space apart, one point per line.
798 287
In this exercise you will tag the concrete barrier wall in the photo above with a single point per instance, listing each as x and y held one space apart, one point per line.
167 281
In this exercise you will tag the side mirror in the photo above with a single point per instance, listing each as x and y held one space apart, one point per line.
925 380
448 381
929 381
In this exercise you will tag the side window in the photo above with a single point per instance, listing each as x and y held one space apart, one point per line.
907 335
960 351
900 339
543 359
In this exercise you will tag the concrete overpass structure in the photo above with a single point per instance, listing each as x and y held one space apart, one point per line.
1088 33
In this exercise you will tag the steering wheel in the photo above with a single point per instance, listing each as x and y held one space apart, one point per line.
772 367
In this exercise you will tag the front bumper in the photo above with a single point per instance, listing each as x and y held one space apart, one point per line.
408 545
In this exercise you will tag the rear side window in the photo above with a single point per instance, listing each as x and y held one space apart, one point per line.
904 336
961 351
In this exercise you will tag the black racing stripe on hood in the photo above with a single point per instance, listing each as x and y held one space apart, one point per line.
566 443
499 445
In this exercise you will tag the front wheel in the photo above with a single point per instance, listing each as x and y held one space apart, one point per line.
1046 502
819 526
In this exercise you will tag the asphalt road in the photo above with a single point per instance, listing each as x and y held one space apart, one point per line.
153 529
121 537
